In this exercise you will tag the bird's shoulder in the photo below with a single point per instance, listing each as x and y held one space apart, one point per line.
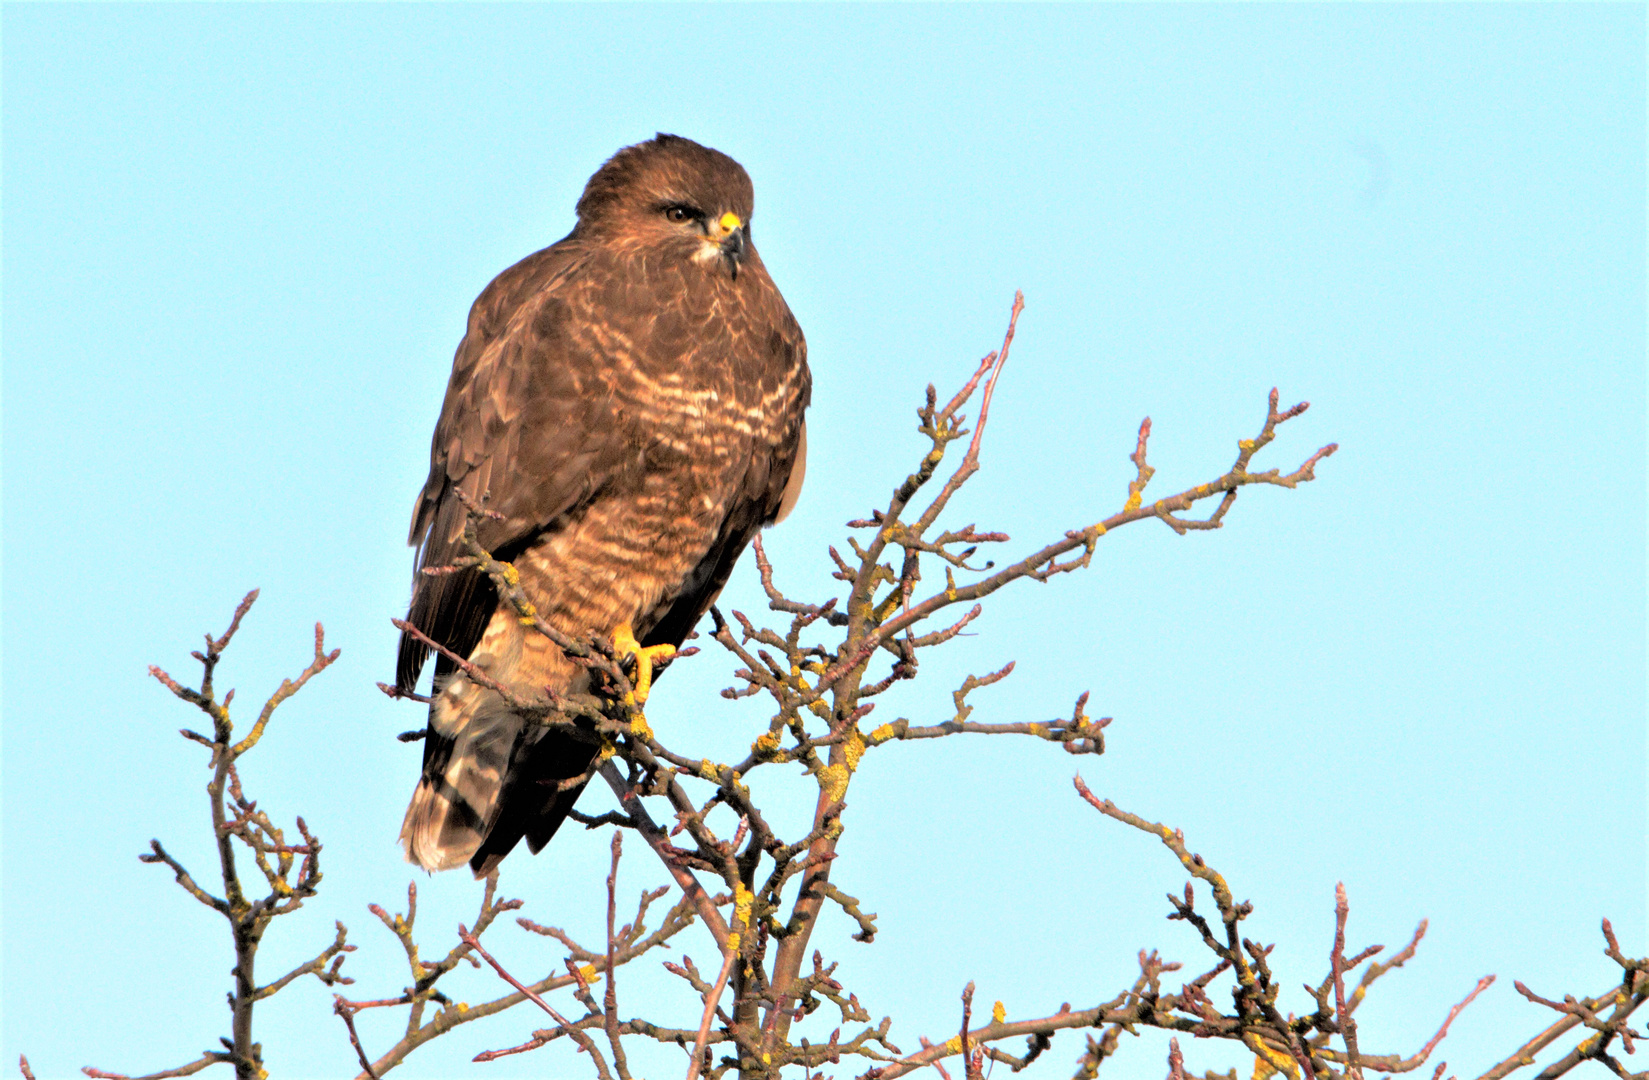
523 404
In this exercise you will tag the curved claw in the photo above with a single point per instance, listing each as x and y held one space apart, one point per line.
625 644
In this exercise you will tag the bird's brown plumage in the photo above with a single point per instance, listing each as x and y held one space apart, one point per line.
630 401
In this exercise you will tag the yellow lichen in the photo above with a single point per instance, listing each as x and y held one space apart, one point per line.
998 1013
881 734
743 899
853 750
1134 499
833 781
1269 1062
885 608
733 942
765 746
709 770
639 727
954 1043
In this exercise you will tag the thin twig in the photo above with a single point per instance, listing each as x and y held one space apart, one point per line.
710 1000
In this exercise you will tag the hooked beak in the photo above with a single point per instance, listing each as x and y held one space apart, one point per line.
734 239
733 246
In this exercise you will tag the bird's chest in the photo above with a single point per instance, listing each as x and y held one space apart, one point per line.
700 398
694 438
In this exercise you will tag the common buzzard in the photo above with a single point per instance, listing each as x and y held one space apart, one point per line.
630 401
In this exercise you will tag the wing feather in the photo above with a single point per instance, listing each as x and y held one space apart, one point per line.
518 428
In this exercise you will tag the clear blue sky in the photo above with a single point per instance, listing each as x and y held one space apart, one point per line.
239 246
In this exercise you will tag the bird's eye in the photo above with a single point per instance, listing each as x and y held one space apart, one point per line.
680 214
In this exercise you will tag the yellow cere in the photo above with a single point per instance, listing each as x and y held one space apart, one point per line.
729 221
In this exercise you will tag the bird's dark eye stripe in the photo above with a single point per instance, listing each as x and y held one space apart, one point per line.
682 212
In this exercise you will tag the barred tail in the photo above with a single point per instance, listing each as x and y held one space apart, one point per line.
471 742
490 780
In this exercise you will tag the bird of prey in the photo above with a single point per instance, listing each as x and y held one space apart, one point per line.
629 401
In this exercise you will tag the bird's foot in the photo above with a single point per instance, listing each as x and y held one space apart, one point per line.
625 644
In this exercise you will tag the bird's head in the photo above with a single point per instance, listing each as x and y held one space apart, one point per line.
672 195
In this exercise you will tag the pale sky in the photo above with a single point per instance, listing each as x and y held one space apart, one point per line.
239 247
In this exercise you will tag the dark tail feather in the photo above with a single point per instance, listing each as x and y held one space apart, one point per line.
533 806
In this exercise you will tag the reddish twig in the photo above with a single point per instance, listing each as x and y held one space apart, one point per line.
709 1016
1337 966
347 1011
566 1027
610 1002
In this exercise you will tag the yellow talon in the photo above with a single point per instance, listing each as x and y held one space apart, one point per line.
625 644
